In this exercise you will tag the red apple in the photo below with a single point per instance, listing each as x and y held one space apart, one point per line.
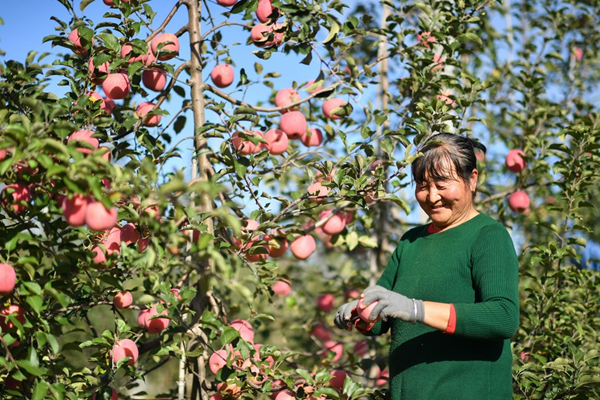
280 288
424 38
222 75
339 376
154 79
105 153
244 328
143 244
329 177
259 34
445 97
256 356
519 201
218 360
126 50
107 104
279 248
15 195
317 192
361 348
165 46
129 234
325 302
74 209
8 279
76 40
335 224
99 218
122 300
285 97
226 3
5 323
285 394
293 124
352 294
142 111
303 246
156 324
515 161
99 256
246 147
113 241
438 60
330 105
312 137
336 347
125 348
321 332
364 312
102 69
278 141
84 136
315 90
116 86
264 10
382 378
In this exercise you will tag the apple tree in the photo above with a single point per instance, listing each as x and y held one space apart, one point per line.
199 199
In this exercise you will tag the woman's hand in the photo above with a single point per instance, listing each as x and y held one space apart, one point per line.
344 315
392 305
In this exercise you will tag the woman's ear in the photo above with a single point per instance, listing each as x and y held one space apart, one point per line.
473 180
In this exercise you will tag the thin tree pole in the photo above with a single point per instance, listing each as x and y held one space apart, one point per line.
196 375
378 258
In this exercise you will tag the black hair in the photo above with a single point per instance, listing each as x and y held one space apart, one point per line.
443 150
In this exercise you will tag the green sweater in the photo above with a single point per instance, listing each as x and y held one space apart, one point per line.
473 266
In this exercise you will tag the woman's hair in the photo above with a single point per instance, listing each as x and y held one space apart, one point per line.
443 150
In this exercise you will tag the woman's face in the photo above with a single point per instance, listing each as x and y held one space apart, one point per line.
448 202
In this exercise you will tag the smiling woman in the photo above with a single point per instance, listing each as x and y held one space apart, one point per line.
457 277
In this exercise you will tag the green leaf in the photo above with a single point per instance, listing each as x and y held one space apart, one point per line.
367 241
36 303
179 123
33 370
40 390
352 240
229 335
335 28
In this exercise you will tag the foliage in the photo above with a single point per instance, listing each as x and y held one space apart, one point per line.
405 70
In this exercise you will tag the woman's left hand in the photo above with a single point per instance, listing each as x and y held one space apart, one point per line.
392 305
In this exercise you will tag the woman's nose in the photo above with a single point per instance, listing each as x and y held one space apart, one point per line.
433 195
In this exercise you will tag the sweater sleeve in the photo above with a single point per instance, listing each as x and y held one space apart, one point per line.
387 281
495 274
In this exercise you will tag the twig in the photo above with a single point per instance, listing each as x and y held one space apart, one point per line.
168 19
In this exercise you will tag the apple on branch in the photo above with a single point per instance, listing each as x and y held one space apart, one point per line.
154 79
222 75
165 46
8 279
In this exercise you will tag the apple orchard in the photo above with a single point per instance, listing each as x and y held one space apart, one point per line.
185 205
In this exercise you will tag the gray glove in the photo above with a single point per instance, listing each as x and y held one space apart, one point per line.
344 314
393 305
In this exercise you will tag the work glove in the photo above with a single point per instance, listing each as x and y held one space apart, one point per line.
392 305
345 314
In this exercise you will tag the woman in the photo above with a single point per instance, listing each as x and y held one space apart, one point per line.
457 277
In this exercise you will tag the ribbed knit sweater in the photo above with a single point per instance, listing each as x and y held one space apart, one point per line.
473 266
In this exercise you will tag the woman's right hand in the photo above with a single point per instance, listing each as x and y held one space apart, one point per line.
344 314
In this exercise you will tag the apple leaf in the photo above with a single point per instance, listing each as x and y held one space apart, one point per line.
84 4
